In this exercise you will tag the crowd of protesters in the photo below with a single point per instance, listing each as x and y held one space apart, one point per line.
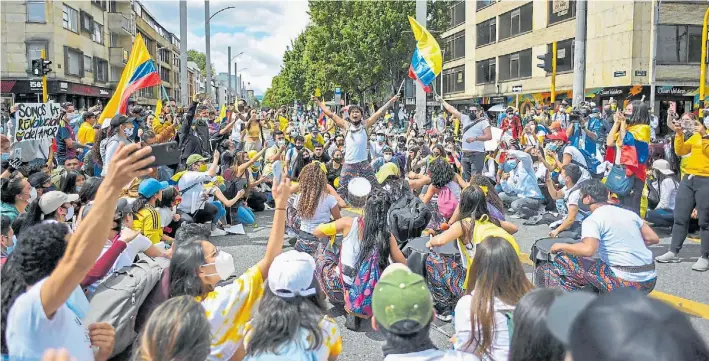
433 236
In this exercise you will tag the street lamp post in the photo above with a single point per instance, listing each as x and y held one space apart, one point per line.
229 67
207 19
239 91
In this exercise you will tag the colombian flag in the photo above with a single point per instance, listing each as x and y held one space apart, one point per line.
427 61
634 150
140 72
322 121
222 114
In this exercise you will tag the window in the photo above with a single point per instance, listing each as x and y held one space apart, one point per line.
454 46
454 80
116 73
457 13
112 6
487 32
34 51
99 3
97 36
165 74
70 19
484 3
147 92
516 22
564 55
679 44
485 71
36 12
87 22
164 55
560 10
87 63
100 70
73 62
516 65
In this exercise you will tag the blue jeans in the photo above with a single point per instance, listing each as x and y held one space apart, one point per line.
660 217
245 216
221 212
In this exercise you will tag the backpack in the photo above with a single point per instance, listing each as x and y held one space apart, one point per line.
447 202
592 164
482 229
408 217
118 298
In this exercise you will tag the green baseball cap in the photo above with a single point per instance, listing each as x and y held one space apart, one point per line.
401 295
194 158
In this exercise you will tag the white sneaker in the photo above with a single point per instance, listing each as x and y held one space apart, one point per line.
218 233
702 265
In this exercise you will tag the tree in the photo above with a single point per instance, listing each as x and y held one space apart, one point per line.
200 59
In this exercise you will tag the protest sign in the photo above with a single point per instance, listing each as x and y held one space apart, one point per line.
37 121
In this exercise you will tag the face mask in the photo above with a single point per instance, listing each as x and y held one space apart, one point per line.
281 142
128 132
33 194
224 263
380 138
387 157
552 147
10 249
298 147
202 168
562 180
293 134
614 107
337 159
706 122
50 188
78 189
78 303
69 214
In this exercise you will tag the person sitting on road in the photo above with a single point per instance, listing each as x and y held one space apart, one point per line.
570 227
292 298
619 236
520 188
362 254
496 282
315 206
147 217
197 266
403 312
387 157
666 185
443 181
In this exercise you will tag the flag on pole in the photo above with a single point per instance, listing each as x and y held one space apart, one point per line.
140 72
222 114
158 108
427 60
322 120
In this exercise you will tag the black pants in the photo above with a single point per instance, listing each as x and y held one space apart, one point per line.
692 192
203 215
632 200
257 201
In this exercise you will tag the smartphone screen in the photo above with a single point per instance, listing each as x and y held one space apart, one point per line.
277 172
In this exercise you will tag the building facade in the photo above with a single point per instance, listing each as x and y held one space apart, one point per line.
491 51
86 42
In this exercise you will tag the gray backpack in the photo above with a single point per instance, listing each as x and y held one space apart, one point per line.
118 298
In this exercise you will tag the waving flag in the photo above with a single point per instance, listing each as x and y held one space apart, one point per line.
636 145
427 61
222 114
140 72
322 121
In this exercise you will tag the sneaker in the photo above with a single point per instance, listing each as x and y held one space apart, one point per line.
515 216
352 322
445 316
668 257
218 232
702 264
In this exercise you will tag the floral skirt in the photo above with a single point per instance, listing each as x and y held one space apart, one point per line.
445 277
327 273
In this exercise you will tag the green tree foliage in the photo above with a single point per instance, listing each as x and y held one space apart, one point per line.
364 47
200 59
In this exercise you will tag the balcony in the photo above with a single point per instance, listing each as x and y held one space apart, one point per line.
117 56
121 24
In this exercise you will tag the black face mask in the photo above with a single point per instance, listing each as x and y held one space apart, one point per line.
298 147
337 159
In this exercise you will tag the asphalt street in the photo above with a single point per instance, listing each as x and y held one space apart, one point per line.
677 284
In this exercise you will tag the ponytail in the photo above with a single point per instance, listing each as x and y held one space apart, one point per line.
139 203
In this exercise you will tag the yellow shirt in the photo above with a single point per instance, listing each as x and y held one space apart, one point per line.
229 308
309 141
697 162
147 222
86 133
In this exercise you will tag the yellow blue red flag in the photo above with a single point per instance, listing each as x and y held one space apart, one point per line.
140 72
427 60
222 114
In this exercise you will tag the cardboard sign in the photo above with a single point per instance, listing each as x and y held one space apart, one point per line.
36 121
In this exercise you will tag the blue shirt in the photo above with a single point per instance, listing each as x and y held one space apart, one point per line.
63 150
580 139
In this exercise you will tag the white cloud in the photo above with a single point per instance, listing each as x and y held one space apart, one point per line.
261 29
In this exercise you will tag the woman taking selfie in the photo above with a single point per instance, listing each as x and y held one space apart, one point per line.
692 192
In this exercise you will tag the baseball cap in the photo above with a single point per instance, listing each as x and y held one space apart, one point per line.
123 207
194 158
151 186
386 170
401 295
38 179
663 166
50 201
558 136
117 120
291 275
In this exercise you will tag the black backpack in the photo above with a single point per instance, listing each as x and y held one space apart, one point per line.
408 217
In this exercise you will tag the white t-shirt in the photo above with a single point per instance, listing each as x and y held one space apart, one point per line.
578 158
621 242
668 193
29 331
321 216
572 199
476 130
194 198
500 347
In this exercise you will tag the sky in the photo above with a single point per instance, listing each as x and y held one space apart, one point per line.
261 29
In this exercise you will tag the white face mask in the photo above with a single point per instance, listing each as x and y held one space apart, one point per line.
128 132
33 195
69 214
387 157
706 122
224 263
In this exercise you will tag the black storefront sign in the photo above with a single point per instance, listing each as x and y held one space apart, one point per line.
496 100
618 74
59 87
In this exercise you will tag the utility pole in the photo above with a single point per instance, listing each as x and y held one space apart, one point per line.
45 97
579 54
184 92
420 93
653 54
228 91
208 65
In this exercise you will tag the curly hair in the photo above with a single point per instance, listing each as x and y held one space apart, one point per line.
491 196
37 254
313 187
441 172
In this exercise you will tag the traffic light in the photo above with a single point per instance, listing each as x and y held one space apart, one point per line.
37 67
546 62
45 66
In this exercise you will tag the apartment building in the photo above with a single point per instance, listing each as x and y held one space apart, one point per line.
86 42
164 48
491 51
